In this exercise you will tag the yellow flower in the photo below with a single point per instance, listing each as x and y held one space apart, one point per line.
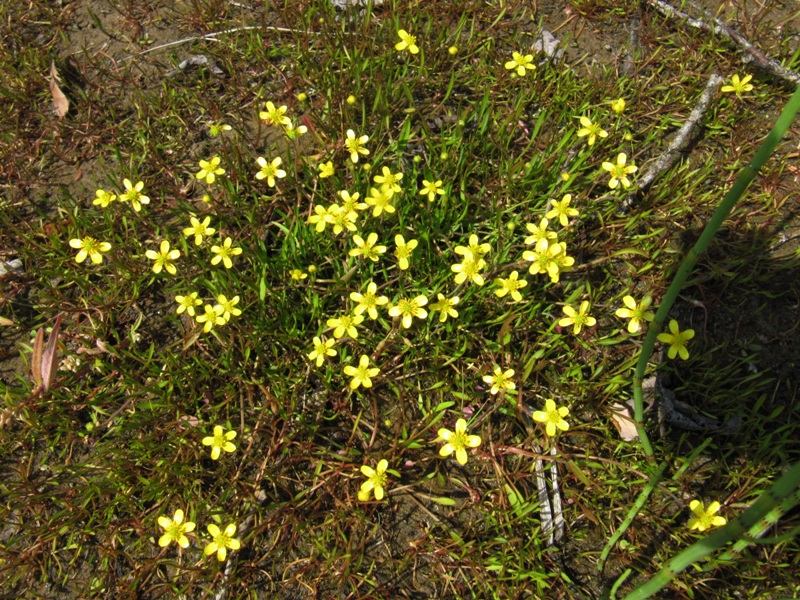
274 116
620 171
562 210
520 63
226 308
635 312
163 258
133 194
677 340
270 170
376 480
453 50
512 285
381 201
739 86
187 303
103 198
593 130
90 247
351 203
618 105
403 251
407 42
477 249
297 275
355 145
221 541
211 316
367 249
215 129
345 324
500 380
210 170
469 268
408 308
546 259
320 218
704 518
458 441
431 189
362 374
198 230
341 219
389 181
326 169
368 302
175 530
540 236
553 417
224 253
221 440
445 306
293 132
578 319
321 350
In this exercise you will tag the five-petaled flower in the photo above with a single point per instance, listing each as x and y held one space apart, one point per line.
210 317
270 170
362 374
224 253
446 307
389 181
477 249
340 219
705 518
548 258
431 189
578 319
381 201
500 380
368 248
593 130
187 303
221 440
163 258
321 350
103 198
520 63
221 541
407 42
618 105
355 145
274 116
469 268
320 218
227 308
133 194
209 170
408 308
199 230
350 202
739 86
90 247
540 235
403 251
346 324
297 275
562 210
511 285
635 312
368 302
553 417
458 441
326 169
376 480
175 530
620 171
677 340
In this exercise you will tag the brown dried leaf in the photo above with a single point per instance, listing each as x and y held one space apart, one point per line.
623 421
60 101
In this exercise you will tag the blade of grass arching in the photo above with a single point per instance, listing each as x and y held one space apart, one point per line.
785 489
746 175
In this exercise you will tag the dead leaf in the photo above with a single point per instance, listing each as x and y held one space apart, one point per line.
6 322
623 421
60 101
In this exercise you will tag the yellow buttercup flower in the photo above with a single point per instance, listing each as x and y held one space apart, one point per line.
403 251
362 374
209 170
210 317
469 268
431 189
389 180
540 235
133 194
376 480
341 219
408 308
500 380
562 210
221 440
407 42
635 312
163 258
511 285
297 275
593 130
739 86
620 171
103 198
368 302
224 253
350 202
175 530
618 105
458 441
446 307
322 349
221 541
520 63
199 230
578 319
320 218
270 170
227 308
293 132
346 324
187 303
477 249
546 258
274 116
381 201
90 247
326 170
705 518
368 248
355 145
553 417
677 340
